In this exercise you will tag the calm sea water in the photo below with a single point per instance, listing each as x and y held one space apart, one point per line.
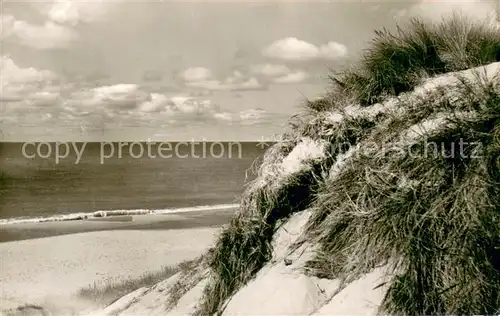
36 185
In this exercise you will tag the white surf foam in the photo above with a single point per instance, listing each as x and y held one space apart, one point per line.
106 213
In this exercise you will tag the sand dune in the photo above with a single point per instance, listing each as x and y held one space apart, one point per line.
278 289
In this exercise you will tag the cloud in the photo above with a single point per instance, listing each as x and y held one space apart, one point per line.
279 74
270 70
294 77
332 50
236 77
57 31
17 83
49 35
293 49
156 101
252 114
31 96
435 10
196 74
73 12
119 96
249 84
246 117
180 107
12 73
202 78
237 80
43 99
124 101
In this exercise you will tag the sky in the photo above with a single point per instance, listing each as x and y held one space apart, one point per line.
180 70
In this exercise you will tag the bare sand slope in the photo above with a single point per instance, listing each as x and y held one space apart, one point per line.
278 289
50 270
284 289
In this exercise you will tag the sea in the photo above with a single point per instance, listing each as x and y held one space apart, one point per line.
41 182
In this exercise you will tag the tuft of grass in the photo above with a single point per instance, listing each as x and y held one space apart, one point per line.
397 62
191 272
105 293
431 211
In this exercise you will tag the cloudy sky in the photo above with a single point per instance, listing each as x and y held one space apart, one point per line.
172 70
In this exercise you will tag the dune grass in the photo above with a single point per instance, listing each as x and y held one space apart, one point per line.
105 293
433 217
397 62
190 273
430 207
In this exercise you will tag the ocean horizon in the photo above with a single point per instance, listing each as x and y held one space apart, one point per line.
75 180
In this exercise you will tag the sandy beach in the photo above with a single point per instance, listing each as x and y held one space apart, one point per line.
50 270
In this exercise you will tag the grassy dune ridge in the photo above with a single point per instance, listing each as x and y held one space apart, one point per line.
435 217
397 62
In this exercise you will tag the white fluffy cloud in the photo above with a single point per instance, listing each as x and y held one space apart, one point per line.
49 35
202 78
57 31
332 50
154 103
245 117
279 74
119 96
17 83
72 12
252 114
12 73
293 49
294 77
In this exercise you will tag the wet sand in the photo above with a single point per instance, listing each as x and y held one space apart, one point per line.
13 232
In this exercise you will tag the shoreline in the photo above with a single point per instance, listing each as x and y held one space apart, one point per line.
46 264
171 221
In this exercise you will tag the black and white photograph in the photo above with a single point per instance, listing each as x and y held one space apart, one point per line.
249 158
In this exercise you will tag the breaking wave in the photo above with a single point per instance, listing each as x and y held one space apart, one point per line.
109 213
